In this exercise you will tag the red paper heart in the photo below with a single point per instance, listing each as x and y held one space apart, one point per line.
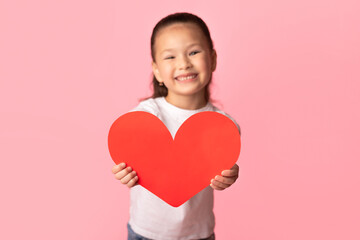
175 170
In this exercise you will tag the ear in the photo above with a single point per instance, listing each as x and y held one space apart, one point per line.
213 60
156 72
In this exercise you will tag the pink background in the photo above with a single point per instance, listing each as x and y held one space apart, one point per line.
288 72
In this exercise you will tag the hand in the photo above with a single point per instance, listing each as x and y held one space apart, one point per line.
125 174
227 178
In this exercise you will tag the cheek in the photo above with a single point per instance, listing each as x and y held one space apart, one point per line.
166 71
204 64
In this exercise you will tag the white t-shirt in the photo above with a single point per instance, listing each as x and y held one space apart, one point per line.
150 216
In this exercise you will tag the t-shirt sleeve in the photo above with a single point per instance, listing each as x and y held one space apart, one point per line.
148 105
232 119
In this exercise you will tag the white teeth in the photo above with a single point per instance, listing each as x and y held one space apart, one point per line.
186 78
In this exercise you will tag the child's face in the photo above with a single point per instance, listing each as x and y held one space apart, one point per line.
183 60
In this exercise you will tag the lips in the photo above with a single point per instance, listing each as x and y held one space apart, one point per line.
187 76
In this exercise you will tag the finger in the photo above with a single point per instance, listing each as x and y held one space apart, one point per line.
234 171
128 177
120 175
132 182
216 187
219 184
229 173
226 180
117 168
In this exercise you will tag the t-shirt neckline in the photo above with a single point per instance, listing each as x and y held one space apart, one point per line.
175 108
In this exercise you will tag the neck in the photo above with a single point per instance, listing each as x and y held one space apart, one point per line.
192 102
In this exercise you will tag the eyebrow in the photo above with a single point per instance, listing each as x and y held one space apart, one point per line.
170 49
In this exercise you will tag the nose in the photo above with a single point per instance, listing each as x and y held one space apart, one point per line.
184 63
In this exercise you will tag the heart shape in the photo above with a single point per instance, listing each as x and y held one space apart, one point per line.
175 169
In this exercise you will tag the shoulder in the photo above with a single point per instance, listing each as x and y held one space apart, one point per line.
224 113
150 105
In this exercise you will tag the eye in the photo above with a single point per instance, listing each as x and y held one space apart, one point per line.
170 57
194 52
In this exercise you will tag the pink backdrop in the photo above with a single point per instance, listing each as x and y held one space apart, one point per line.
288 72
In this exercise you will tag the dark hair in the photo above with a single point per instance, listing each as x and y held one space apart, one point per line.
181 17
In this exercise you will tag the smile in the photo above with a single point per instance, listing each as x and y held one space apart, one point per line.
188 78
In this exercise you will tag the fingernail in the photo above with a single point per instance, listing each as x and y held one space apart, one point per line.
129 168
217 177
122 164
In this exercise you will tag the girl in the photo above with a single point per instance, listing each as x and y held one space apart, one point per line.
183 60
